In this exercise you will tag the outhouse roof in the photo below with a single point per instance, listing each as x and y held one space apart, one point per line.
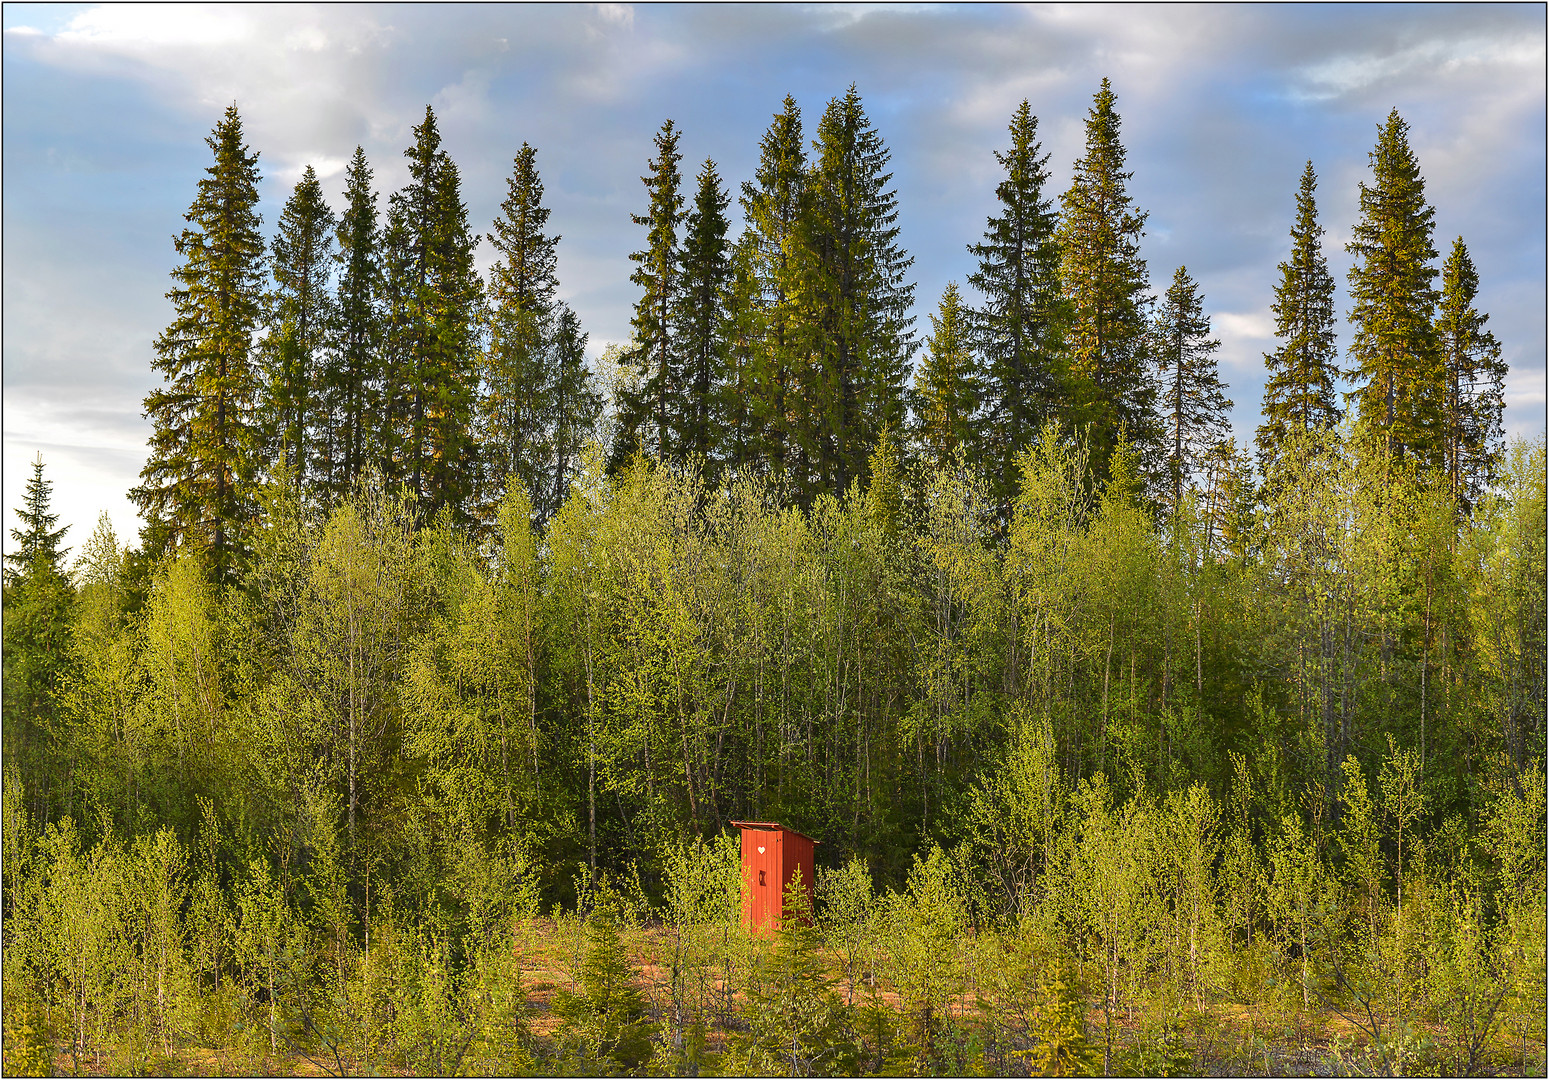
773 825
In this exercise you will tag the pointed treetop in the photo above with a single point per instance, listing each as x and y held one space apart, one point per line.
37 538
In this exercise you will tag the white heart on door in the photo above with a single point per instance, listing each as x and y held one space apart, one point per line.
760 851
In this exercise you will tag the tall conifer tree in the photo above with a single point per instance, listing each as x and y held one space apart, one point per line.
1019 329
575 405
1475 382
773 205
741 409
1106 284
1299 394
353 376
948 388
649 410
38 631
700 320
1193 404
301 322
1397 360
197 485
516 406
856 327
435 301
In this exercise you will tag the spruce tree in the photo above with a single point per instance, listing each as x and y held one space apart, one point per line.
773 205
948 388
301 321
575 405
742 335
1299 393
196 487
37 539
353 375
699 320
1397 359
400 334
1106 283
515 407
856 329
604 1025
1018 331
1475 382
649 409
37 632
434 311
1193 405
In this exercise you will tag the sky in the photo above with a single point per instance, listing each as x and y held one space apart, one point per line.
106 109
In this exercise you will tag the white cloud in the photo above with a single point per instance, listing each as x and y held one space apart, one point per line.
616 14
1436 58
1254 325
142 29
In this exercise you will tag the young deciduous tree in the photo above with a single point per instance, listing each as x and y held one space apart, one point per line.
197 485
1299 392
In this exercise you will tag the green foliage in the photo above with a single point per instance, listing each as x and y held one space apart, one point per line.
1299 393
924 927
797 1026
1192 401
1475 374
1062 1048
856 333
947 388
519 367
603 1026
298 435
352 370
1112 390
433 314
1396 358
197 485
647 427
1019 330
701 320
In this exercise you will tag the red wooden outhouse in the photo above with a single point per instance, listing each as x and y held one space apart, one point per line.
771 857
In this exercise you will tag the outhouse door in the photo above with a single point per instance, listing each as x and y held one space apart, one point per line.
772 856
